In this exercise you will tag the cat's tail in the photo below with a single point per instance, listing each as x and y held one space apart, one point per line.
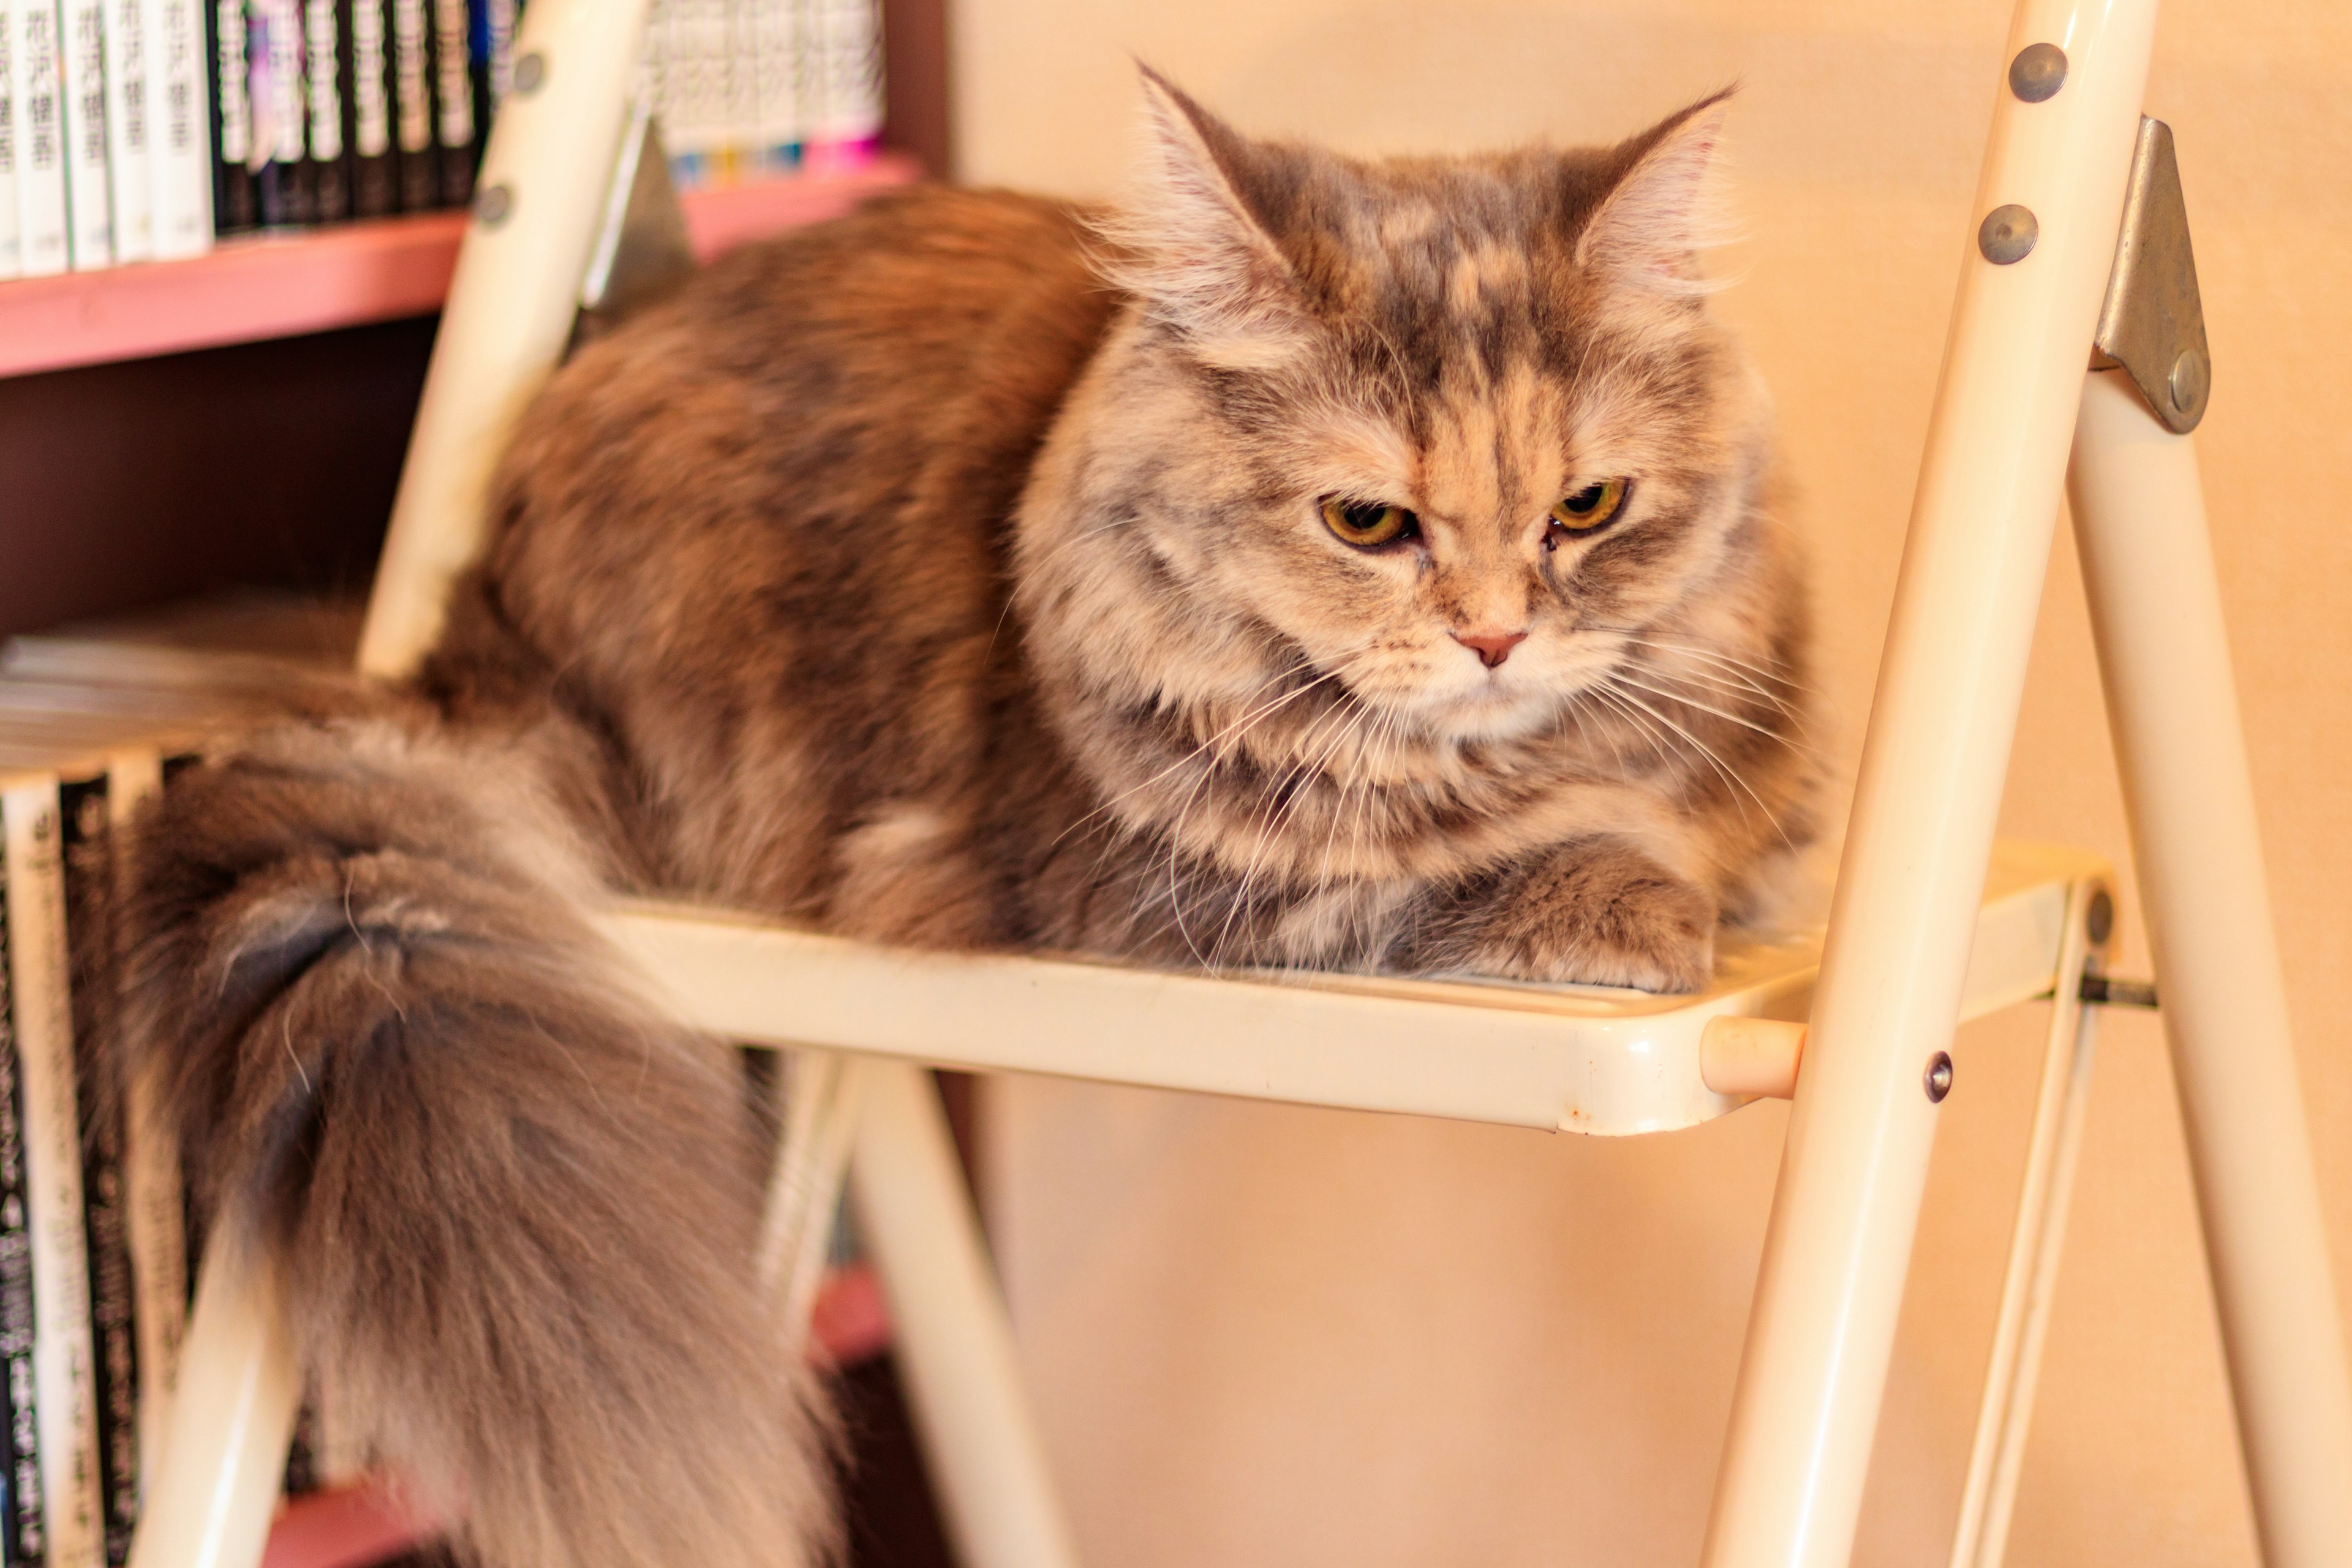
513 1210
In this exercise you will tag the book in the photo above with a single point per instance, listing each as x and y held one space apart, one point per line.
776 90
81 71
367 51
154 1199
453 102
279 157
416 156
88 908
130 184
179 128
841 44
33 809
10 260
24 1527
324 92
39 103
236 202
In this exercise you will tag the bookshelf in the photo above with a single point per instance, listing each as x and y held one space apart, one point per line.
273 285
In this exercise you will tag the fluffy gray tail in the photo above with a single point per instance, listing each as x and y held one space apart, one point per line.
514 1210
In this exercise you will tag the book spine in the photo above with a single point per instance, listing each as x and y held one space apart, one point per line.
10 256
179 128
237 205
843 40
82 811
411 102
775 64
453 102
154 1200
128 132
280 160
41 247
24 1528
64 1379
500 18
325 90
89 203
375 170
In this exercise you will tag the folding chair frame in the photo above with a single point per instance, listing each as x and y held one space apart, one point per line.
1895 973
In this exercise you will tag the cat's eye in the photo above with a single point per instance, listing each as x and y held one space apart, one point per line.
1591 508
1367 524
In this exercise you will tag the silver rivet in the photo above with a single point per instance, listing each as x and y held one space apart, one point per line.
2189 381
2038 72
2008 234
1939 1076
531 70
2099 920
495 206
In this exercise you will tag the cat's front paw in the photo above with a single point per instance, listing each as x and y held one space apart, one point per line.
1602 914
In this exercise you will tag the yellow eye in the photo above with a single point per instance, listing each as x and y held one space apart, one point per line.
1367 524
1584 510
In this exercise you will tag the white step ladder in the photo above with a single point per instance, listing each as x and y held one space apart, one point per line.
2080 239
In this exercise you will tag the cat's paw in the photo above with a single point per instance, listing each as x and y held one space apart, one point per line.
1602 914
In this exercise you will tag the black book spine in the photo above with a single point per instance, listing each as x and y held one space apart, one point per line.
453 99
106 1221
416 148
24 1532
367 48
235 202
274 49
326 89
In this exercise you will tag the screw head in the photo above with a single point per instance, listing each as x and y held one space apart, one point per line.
2190 379
531 72
2099 918
1938 1078
2038 72
495 205
2007 234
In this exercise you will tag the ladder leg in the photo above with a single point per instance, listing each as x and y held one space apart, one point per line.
231 1423
955 1345
2155 613
2042 245
2039 1236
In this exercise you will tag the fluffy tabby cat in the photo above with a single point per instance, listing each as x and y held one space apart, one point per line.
1319 562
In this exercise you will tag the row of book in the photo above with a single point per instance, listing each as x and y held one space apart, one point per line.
96 1241
138 130
748 88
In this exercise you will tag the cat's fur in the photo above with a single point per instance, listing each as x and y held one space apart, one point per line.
907 577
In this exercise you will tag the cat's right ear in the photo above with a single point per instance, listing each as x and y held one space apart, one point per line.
1191 247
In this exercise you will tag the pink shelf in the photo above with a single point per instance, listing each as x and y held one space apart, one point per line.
280 286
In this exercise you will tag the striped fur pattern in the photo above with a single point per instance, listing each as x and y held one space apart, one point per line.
958 574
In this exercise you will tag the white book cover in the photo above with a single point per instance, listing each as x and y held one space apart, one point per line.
129 182
179 127
63 1372
10 260
153 1195
842 42
39 103
82 70
776 70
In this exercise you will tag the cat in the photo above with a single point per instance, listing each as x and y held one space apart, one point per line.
1312 562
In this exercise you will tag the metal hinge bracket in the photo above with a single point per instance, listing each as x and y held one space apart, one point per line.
2153 324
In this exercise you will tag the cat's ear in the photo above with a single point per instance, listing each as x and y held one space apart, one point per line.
1661 212
1194 248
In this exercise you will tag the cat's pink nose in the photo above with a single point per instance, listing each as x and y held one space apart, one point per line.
1492 648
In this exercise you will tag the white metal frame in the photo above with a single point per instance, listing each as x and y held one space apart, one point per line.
1917 939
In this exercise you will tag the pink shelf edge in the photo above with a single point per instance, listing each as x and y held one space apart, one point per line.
281 286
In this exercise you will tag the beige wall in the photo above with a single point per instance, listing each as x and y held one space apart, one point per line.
1265 1336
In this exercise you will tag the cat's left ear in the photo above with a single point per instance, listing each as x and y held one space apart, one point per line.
1196 251
1648 230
